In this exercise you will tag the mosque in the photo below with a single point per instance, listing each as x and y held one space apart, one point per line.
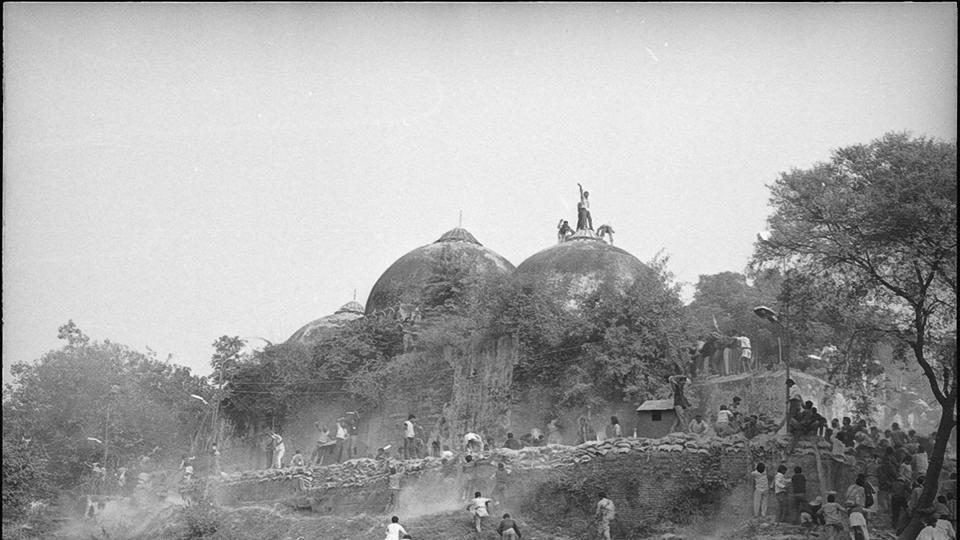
469 386
579 263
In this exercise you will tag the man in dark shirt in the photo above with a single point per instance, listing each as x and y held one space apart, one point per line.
508 528
899 494
798 484
512 443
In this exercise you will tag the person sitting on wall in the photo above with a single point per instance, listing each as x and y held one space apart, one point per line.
511 443
697 425
722 427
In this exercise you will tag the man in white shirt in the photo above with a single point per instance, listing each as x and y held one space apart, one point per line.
723 422
746 354
409 438
341 439
278 450
473 442
604 515
480 508
697 425
394 529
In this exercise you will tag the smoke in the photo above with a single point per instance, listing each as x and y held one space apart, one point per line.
431 494
113 517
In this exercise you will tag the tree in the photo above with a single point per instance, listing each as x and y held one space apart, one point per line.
619 344
228 352
100 402
880 219
729 299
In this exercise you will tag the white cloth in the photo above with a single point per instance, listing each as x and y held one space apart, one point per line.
760 481
723 417
394 530
857 519
479 506
947 528
341 432
932 533
473 438
409 432
745 351
779 483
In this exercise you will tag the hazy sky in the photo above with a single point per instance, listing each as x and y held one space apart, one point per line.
176 172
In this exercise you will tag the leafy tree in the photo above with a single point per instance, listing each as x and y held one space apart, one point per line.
228 353
729 299
880 220
99 402
25 477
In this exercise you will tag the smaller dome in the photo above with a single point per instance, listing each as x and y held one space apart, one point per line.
314 331
350 307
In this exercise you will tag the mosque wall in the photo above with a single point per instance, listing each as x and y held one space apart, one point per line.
649 480
761 392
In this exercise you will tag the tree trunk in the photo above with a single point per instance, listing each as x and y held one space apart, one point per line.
932 478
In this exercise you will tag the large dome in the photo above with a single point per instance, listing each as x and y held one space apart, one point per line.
404 281
313 331
580 265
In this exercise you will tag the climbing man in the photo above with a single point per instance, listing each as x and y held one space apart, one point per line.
603 516
680 403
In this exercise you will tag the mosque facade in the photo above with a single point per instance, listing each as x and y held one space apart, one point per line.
475 394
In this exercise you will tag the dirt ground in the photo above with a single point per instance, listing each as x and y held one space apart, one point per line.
173 521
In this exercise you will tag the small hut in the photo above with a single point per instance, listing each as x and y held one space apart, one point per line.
654 418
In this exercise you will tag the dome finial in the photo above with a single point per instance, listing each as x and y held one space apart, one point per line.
460 221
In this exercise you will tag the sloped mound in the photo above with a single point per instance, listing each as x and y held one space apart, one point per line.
261 523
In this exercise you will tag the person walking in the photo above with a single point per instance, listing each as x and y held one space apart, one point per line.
395 531
480 507
798 487
604 514
833 519
761 490
781 487
508 529
393 483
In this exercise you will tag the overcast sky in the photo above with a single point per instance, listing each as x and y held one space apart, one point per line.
176 172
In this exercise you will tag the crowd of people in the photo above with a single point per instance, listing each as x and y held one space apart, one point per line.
846 516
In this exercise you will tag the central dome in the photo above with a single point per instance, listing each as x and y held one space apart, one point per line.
579 265
405 280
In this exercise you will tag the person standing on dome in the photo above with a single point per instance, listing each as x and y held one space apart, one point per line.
584 220
563 230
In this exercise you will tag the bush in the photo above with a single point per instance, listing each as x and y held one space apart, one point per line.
202 520
24 477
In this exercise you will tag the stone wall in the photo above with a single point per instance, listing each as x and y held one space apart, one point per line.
761 392
649 480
